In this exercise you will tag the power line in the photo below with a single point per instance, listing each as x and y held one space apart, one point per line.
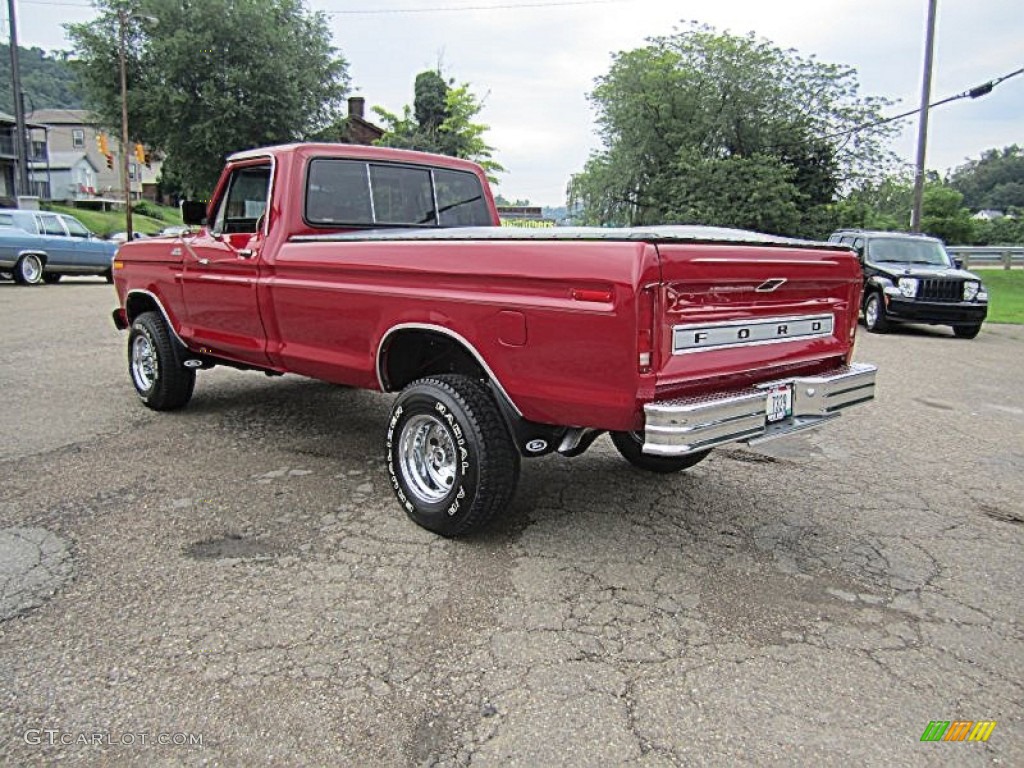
57 2
380 11
970 93
456 8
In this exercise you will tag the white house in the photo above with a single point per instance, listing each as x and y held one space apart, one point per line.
988 215
67 176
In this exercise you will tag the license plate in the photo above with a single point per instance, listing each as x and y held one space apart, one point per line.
780 404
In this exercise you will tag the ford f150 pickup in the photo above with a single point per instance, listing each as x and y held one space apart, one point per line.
388 270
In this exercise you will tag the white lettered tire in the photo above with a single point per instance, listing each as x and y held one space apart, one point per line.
450 459
155 364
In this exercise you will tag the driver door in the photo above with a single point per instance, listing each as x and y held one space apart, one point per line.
221 268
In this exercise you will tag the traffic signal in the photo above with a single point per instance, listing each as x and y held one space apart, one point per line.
140 153
110 161
102 144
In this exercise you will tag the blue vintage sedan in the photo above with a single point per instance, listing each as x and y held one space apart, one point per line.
38 246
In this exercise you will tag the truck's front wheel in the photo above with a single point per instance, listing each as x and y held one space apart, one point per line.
450 459
630 445
966 331
155 364
874 314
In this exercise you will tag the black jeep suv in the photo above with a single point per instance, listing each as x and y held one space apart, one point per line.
911 279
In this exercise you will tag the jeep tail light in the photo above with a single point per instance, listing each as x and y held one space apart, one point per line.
645 330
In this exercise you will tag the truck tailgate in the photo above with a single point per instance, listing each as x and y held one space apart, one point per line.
739 315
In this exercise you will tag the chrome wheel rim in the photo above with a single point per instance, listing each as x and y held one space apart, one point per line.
871 313
427 458
144 369
32 269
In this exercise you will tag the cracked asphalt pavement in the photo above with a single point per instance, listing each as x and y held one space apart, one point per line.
240 572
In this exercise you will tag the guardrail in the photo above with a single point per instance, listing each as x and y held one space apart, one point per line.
1005 256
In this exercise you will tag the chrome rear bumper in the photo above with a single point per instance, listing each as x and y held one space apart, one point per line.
687 425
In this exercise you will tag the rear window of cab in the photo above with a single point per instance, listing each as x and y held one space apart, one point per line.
356 193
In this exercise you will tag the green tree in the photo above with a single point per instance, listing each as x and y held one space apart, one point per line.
883 204
995 180
46 78
441 120
690 112
211 78
943 215
1008 230
430 101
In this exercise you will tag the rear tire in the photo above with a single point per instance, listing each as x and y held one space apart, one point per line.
28 270
966 331
451 461
155 364
630 445
874 314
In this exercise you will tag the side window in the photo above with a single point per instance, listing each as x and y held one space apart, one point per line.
402 195
75 227
245 201
460 199
338 193
51 225
858 246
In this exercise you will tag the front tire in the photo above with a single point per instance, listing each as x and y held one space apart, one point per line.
630 445
28 270
155 364
966 331
451 461
874 314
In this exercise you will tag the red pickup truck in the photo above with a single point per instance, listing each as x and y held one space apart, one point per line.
388 270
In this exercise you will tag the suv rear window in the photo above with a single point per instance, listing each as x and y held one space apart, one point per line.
355 193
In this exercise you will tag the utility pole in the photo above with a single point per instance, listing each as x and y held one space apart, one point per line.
21 185
122 18
922 127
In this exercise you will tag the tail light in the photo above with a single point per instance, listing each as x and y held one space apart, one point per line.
854 319
645 330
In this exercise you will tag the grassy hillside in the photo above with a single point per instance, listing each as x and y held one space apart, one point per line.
105 223
1005 294
47 77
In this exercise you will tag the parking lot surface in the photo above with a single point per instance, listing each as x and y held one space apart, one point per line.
239 574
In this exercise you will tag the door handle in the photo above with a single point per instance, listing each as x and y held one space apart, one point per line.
245 253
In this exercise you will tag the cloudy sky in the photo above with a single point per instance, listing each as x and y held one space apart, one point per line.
535 61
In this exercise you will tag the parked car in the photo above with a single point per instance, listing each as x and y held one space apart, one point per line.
910 278
174 231
122 237
39 246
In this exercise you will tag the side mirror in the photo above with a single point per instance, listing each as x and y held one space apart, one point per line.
193 213
958 262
